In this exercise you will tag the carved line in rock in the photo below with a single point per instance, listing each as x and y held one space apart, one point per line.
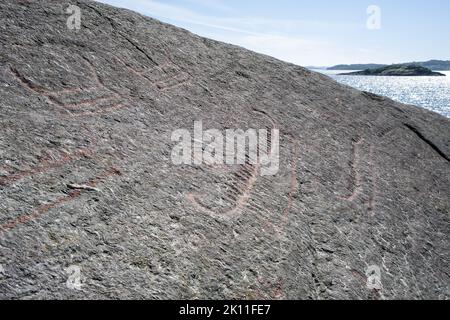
371 204
76 109
46 165
239 194
41 210
355 174
244 181
279 227
293 183
276 290
180 78
356 177
382 134
240 188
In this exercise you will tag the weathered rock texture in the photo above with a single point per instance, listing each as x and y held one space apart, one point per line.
86 177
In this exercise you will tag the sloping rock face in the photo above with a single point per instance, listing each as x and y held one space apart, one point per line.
88 188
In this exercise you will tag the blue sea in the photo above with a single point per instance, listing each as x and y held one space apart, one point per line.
432 93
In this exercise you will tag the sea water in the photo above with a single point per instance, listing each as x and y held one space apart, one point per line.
432 93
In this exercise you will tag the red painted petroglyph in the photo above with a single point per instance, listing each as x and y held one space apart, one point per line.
355 175
76 109
41 210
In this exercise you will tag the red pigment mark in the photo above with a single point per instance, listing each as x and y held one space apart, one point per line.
173 82
270 227
244 197
46 165
240 202
214 167
277 291
41 210
355 175
274 290
294 184
167 87
87 102
113 107
38 211
356 179
179 79
37 88
373 190
52 96
358 275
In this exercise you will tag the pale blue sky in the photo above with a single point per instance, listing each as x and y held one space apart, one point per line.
318 32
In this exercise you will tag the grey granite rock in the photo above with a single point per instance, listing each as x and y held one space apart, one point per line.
87 186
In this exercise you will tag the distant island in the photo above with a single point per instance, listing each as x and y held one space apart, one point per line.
396 70
437 65
357 66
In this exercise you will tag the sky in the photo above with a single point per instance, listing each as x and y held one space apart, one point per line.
318 32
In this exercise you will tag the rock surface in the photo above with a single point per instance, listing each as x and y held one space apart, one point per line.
86 179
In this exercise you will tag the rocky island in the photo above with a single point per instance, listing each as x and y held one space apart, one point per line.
396 70
92 207
346 67
436 65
